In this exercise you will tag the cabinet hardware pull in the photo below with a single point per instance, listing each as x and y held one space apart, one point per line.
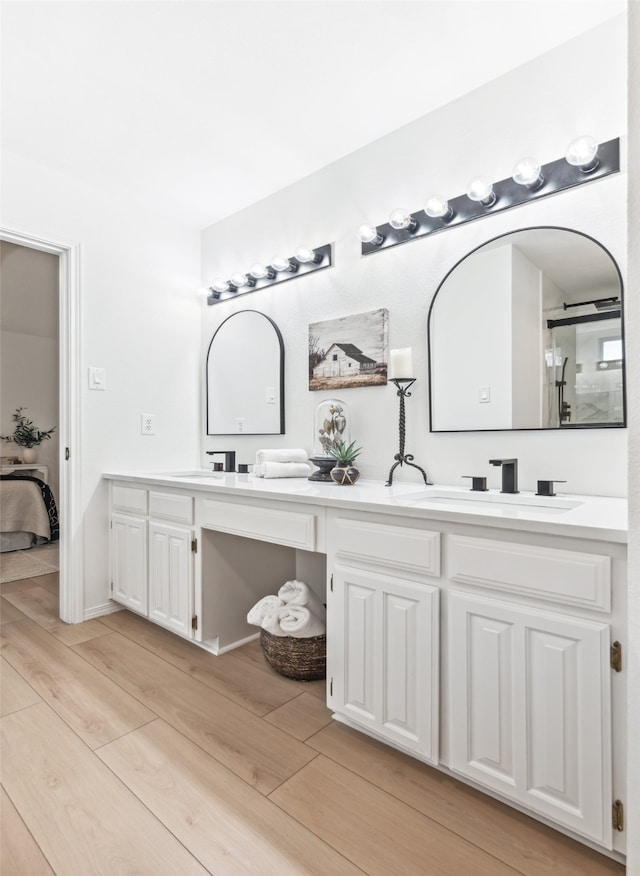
331 586
194 545
617 814
331 687
194 622
616 656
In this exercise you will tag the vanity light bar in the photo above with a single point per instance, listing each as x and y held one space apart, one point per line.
548 180
280 270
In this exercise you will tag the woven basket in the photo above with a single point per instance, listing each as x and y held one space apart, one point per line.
302 659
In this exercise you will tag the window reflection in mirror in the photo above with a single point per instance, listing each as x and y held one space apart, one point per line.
245 377
526 332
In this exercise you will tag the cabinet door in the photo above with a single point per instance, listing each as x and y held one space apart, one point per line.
170 577
530 709
384 635
129 561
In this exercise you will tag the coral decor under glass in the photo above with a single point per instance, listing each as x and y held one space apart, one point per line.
331 429
332 424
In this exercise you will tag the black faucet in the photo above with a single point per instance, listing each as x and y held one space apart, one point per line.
509 474
229 458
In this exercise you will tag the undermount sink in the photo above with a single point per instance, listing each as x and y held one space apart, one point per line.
489 500
195 473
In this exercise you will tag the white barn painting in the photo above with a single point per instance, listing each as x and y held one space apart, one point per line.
350 351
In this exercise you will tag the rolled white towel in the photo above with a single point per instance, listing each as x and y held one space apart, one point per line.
264 605
271 622
293 620
299 593
281 455
282 470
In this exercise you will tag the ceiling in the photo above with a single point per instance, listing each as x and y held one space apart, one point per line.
198 108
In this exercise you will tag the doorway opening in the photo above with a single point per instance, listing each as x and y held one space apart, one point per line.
65 467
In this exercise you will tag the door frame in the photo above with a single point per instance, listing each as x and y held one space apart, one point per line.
71 606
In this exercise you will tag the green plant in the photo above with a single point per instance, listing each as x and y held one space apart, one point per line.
25 433
345 454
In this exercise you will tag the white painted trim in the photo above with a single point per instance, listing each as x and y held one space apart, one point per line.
103 610
69 501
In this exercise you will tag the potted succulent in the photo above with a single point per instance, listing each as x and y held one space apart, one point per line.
27 435
344 471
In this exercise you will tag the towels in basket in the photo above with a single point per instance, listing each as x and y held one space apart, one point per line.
296 611
292 631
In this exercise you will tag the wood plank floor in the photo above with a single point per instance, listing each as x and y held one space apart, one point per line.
126 750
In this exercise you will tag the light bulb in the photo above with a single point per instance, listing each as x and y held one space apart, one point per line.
304 255
259 271
481 190
281 263
220 285
438 207
402 220
369 234
583 153
527 172
239 279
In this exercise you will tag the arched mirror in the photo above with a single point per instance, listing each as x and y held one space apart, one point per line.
526 332
245 377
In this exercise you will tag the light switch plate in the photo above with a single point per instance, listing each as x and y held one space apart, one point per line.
97 378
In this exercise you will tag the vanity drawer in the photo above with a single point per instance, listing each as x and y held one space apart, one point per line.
416 551
170 506
560 576
131 499
292 528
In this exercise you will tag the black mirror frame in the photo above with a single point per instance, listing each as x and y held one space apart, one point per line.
281 381
567 427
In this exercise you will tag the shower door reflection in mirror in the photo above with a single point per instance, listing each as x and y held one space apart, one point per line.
526 332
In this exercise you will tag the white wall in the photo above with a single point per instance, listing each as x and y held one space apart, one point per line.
526 340
139 320
479 358
536 109
633 345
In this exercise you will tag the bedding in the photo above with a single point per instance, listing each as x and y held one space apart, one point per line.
26 506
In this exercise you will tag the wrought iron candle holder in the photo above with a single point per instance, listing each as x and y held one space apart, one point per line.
403 385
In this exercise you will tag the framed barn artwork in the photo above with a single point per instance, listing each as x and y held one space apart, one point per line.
350 351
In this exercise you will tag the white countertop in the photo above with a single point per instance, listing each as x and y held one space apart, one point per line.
594 517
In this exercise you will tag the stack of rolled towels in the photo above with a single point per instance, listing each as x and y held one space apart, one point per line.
282 463
296 611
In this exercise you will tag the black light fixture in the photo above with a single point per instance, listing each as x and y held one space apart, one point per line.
261 275
585 160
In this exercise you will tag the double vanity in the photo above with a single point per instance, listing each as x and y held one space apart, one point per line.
476 631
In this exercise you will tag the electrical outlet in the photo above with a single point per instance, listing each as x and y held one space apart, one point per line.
148 424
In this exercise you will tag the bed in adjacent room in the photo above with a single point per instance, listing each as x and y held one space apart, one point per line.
28 513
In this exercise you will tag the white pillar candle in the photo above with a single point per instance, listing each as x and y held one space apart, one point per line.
401 363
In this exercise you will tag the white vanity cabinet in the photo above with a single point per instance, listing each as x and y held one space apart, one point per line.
530 678
474 638
383 630
171 553
129 547
152 541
